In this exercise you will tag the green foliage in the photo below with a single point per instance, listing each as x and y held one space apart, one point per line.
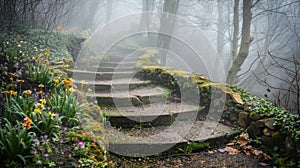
15 142
40 73
65 104
60 43
284 119
167 94
41 97
194 146
147 59
45 122
283 161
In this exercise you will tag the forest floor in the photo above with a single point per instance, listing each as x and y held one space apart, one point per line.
204 158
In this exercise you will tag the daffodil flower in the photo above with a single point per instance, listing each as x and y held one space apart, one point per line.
43 101
56 81
27 123
38 111
40 105
51 114
41 85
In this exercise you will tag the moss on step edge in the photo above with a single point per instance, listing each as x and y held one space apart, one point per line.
264 121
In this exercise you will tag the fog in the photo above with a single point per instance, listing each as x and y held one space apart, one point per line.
203 27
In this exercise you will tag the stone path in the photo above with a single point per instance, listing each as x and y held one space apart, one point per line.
142 118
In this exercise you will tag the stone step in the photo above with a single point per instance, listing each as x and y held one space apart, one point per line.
150 141
116 84
129 57
123 59
117 64
118 49
90 76
109 69
151 115
135 97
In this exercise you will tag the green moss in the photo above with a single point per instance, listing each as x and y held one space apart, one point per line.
194 146
255 116
147 59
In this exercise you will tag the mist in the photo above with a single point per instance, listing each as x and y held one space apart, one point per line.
271 65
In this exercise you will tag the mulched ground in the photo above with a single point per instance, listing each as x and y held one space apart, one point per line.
195 160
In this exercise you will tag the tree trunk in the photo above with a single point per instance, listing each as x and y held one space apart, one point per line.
108 10
92 10
221 28
245 42
167 22
147 7
236 28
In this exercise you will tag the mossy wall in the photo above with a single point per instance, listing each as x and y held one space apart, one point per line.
267 124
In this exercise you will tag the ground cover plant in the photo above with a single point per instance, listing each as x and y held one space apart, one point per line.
38 107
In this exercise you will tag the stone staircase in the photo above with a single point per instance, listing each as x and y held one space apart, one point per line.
143 119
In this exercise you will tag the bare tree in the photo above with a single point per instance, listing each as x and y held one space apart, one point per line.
275 28
287 94
147 7
167 22
221 27
245 42
236 27
44 14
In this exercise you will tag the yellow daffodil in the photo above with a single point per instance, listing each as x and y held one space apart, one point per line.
40 105
51 114
83 82
27 92
89 90
43 101
41 85
13 92
71 89
11 78
38 111
27 123
47 53
57 77
68 82
6 92
56 81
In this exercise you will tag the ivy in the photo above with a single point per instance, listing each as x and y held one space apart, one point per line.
284 119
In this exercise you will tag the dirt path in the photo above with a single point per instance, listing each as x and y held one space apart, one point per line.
195 160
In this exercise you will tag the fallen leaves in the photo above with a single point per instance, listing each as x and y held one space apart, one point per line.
211 152
237 98
242 145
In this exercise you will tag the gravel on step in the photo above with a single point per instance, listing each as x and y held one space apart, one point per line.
201 159
180 131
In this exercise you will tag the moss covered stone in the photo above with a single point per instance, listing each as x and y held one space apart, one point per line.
255 116
244 119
